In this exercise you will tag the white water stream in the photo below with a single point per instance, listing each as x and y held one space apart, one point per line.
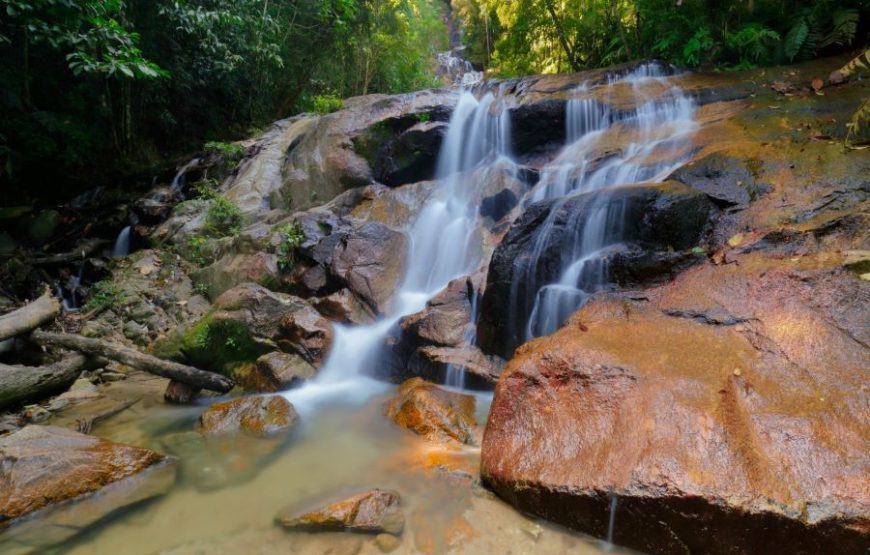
444 244
595 159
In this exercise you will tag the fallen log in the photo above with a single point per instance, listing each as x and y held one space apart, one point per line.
29 316
82 251
20 384
188 375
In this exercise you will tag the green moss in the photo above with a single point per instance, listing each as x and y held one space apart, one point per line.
218 346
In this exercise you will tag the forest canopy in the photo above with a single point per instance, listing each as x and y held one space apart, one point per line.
121 84
515 37
110 87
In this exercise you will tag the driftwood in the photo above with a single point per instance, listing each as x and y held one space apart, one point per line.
82 251
125 355
85 425
29 316
19 384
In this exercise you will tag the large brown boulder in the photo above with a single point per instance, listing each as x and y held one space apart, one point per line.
369 259
373 512
54 482
433 412
726 412
258 416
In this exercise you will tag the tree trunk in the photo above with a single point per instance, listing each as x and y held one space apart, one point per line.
19 384
563 39
29 316
188 375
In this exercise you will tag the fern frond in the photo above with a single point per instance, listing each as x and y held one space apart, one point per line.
796 39
844 26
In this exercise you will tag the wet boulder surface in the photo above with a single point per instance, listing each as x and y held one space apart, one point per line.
723 410
433 412
375 511
54 482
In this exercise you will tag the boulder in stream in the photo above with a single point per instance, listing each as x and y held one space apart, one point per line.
257 415
433 412
726 412
55 482
375 511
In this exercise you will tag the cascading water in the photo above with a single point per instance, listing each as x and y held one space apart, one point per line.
122 243
657 128
444 243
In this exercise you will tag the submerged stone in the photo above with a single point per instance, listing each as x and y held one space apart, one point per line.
376 511
63 481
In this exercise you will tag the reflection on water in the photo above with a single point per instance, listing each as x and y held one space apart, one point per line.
336 451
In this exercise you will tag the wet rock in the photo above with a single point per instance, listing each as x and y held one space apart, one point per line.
63 481
662 223
481 371
245 323
728 181
374 512
339 152
705 409
279 371
343 306
433 412
370 259
233 269
407 157
178 393
258 416
437 338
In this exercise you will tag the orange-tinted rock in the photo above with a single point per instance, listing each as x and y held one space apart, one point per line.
70 480
374 511
433 412
727 413
258 416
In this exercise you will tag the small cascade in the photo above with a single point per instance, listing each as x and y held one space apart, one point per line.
444 243
606 148
122 243
453 66
611 520
68 292
179 181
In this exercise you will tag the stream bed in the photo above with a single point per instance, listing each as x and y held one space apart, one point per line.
336 451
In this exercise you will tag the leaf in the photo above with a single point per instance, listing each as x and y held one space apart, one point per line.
818 84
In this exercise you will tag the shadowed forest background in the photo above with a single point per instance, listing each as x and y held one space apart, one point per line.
113 88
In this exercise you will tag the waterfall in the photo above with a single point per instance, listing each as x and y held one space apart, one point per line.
444 243
590 162
178 181
122 243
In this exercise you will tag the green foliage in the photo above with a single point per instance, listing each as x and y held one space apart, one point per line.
527 36
201 289
228 151
222 217
104 294
292 238
325 103
81 94
196 244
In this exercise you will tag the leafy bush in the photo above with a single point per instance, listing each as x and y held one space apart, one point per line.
292 238
326 103
222 218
